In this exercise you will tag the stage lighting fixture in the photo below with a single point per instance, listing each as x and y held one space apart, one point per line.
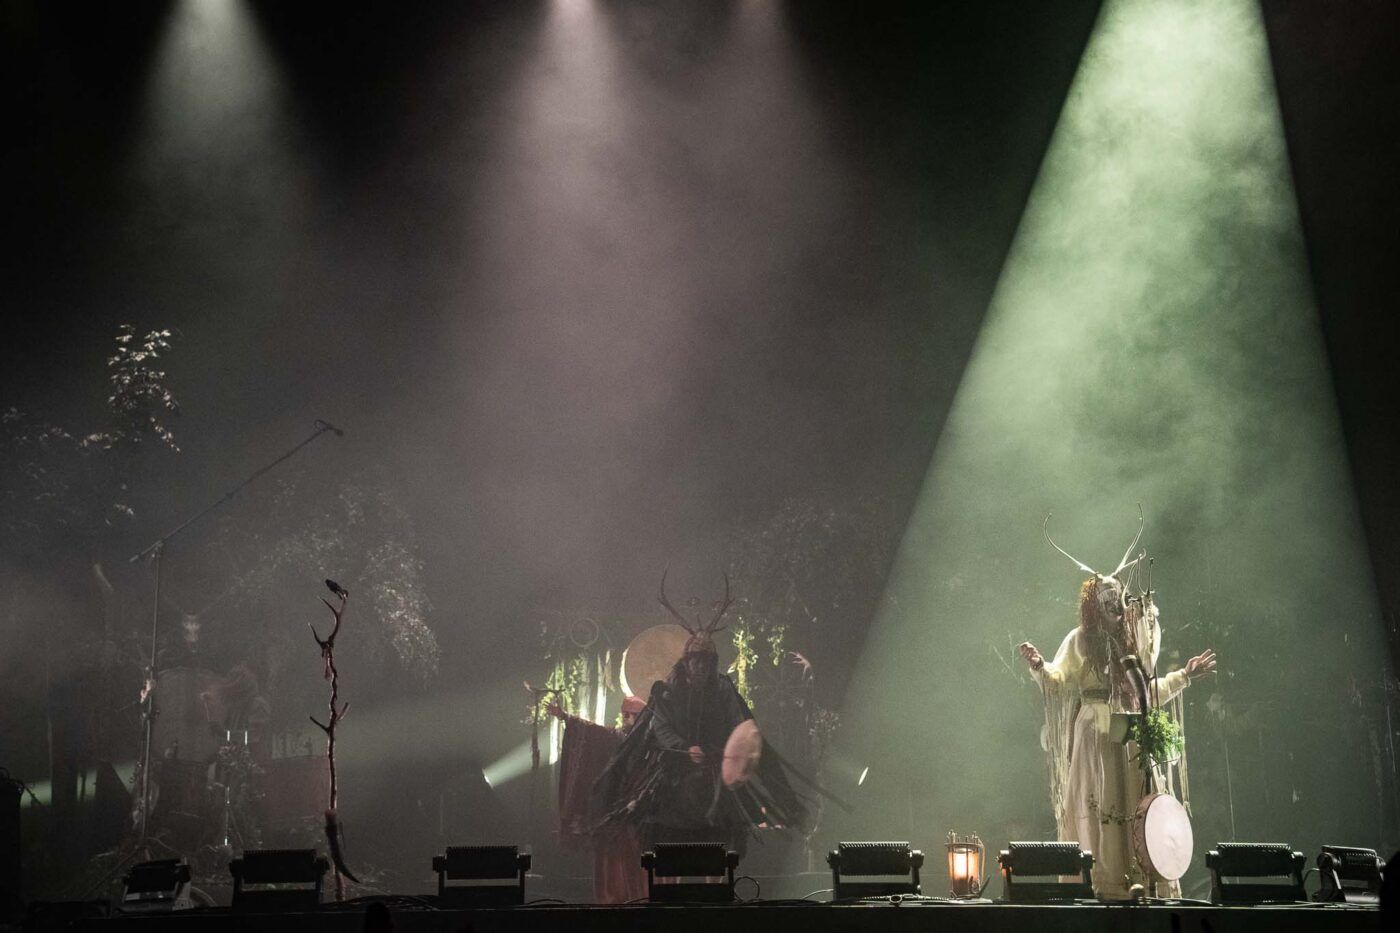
1045 861
157 887
491 876
874 859
1351 876
966 856
690 860
1274 870
283 868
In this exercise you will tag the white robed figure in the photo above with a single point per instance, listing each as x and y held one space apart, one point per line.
1096 781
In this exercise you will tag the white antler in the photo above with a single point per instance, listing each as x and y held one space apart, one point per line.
1045 530
1125 563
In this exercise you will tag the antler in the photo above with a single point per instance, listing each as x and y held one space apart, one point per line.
1045 530
1142 523
714 625
685 623
328 643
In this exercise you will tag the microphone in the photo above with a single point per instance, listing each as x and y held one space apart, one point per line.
327 426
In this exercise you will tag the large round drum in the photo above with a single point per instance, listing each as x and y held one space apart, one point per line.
1162 839
650 657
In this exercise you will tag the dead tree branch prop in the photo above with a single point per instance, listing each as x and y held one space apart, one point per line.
337 713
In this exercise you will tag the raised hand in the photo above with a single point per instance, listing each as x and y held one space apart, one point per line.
1032 655
1201 665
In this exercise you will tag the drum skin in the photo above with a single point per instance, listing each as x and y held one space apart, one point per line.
650 657
741 754
1162 838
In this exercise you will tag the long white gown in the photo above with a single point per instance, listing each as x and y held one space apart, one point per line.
1095 784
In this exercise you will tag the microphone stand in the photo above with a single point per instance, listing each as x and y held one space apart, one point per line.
154 552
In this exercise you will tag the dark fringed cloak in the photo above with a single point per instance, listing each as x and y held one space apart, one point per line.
652 784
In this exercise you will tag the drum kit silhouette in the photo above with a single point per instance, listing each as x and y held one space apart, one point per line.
214 788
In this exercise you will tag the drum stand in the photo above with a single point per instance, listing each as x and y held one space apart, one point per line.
142 845
234 777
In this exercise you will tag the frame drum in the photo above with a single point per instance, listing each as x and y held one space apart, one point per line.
650 657
741 754
1162 838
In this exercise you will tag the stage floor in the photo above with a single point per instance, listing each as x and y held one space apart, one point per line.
411 914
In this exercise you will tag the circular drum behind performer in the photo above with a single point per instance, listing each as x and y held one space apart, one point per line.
665 779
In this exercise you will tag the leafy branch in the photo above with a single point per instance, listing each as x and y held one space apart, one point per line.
1158 736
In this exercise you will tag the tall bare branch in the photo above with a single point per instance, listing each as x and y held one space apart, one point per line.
337 711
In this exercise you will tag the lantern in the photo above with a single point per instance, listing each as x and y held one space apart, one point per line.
966 855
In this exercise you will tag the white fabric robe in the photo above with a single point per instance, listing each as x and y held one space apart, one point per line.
1103 785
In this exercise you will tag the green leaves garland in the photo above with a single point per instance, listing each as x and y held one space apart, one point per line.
1158 736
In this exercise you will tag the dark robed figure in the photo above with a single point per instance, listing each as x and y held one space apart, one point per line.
667 779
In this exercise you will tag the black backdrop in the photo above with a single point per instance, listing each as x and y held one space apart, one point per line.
763 283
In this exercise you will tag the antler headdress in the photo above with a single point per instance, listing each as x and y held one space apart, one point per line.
1112 593
1123 564
701 632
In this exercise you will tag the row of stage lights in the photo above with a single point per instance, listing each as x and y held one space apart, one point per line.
1032 873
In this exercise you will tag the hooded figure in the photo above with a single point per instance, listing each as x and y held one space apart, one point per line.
666 778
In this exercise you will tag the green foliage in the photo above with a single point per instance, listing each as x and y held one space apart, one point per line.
569 639
140 397
777 631
806 564
745 660
1158 736
73 486
562 686
298 523
799 576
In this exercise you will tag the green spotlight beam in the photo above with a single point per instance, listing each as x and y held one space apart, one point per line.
1153 338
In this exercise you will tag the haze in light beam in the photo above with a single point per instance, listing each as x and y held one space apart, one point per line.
1153 338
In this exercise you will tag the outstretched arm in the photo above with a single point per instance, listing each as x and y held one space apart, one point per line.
1056 671
570 721
1173 682
1201 665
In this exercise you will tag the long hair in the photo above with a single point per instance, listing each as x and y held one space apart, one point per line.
1105 634
694 694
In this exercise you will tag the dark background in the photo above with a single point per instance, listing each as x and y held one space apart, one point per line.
588 293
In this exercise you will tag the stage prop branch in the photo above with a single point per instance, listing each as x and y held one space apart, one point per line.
337 711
